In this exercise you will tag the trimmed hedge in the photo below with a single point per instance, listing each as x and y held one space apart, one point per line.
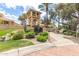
27 31
30 35
66 32
17 36
42 38
44 34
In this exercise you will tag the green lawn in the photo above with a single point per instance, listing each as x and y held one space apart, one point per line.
7 45
5 31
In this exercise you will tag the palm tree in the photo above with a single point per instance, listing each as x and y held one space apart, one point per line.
49 8
44 7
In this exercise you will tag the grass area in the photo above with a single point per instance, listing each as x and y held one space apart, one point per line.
5 31
7 45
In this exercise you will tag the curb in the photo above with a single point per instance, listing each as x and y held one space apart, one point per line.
26 50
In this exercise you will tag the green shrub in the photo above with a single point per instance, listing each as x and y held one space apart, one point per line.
36 33
42 38
50 26
67 33
74 33
30 35
27 31
12 33
65 30
17 36
44 34
60 27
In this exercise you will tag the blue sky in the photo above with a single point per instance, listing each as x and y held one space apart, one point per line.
13 8
12 11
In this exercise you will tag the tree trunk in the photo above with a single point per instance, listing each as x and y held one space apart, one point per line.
47 21
24 25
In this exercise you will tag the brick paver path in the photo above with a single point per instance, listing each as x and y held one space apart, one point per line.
69 50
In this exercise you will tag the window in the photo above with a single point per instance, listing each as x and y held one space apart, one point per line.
6 22
12 22
37 13
33 13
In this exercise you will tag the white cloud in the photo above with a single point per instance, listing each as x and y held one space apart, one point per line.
7 15
12 17
24 3
3 12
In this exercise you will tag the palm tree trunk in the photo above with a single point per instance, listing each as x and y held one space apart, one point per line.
47 21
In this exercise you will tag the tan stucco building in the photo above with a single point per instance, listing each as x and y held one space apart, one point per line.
7 23
33 17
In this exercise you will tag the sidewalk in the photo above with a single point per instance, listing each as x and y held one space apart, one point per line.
26 50
59 40
69 50
64 47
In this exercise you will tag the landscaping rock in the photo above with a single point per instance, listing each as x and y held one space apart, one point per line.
8 37
3 38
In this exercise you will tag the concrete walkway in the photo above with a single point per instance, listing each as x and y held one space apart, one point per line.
69 50
59 40
64 47
26 50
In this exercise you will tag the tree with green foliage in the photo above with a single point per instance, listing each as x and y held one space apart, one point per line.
49 8
23 18
67 13
44 7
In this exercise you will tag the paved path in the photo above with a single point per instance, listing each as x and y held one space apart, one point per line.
59 40
26 50
63 47
69 50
